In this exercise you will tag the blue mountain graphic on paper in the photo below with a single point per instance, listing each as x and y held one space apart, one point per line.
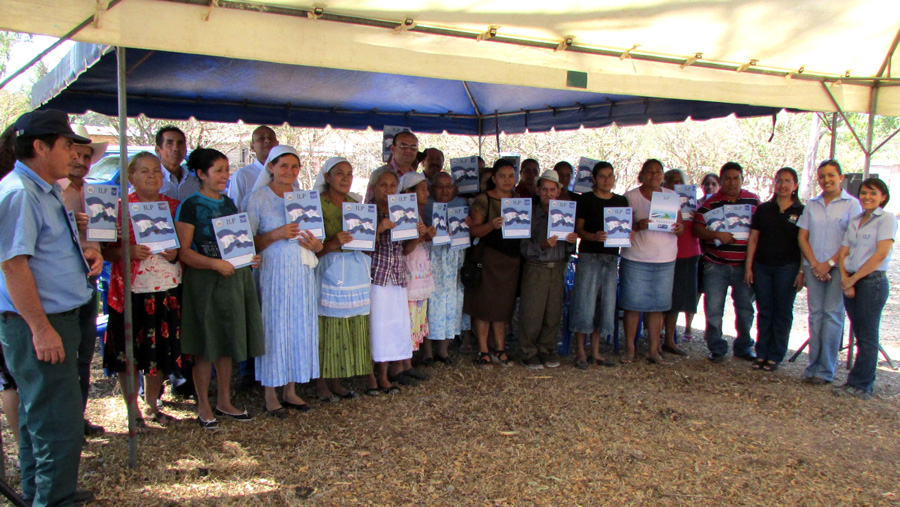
302 213
358 224
454 225
99 212
735 221
616 226
512 216
147 225
558 217
460 175
233 240
401 215
438 222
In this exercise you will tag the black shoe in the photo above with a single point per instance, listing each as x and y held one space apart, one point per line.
533 363
746 356
302 407
208 425
717 358
427 362
446 360
93 430
278 413
414 373
404 380
243 416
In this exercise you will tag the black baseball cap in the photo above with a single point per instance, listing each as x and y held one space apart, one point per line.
47 122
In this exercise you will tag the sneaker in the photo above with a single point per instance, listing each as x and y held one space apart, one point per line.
816 381
533 363
717 358
550 360
852 391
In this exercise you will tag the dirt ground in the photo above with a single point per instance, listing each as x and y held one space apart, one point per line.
689 433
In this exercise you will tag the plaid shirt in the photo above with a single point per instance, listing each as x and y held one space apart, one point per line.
388 263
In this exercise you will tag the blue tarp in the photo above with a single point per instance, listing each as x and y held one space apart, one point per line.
178 86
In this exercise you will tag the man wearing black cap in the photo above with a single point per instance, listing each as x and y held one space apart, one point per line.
44 282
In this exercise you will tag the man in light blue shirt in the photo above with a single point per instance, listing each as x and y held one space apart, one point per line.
43 283
171 148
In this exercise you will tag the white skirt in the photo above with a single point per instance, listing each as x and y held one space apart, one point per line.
390 325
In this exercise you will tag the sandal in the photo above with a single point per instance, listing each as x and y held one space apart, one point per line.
769 366
626 359
373 391
484 361
758 364
390 390
501 361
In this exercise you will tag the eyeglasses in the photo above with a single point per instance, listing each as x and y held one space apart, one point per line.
404 146
441 186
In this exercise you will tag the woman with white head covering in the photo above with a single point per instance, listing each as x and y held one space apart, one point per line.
344 349
287 285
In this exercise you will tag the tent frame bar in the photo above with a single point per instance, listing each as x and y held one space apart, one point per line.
53 46
866 148
319 14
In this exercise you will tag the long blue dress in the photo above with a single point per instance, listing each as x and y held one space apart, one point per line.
288 299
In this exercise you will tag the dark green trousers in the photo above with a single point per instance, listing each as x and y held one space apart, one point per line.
51 420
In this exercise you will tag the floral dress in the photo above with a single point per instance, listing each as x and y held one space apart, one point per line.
156 311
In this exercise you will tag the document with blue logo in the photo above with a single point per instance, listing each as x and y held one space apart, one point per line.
101 203
235 239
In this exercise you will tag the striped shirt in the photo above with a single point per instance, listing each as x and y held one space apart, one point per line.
388 263
736 253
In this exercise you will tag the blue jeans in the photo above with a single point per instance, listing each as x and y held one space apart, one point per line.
826 323
775 294
716 280
594 294
864 311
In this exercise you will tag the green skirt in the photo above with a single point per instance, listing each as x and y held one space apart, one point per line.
220 315
344 349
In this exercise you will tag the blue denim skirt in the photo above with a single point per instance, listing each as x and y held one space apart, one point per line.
646 286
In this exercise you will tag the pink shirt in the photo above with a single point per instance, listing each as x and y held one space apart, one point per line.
648 246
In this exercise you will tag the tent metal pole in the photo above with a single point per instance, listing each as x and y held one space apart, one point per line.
834 122
130 371
873 102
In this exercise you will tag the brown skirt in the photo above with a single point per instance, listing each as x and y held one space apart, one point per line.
495 299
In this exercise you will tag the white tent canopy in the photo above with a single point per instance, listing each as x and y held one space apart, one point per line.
803 54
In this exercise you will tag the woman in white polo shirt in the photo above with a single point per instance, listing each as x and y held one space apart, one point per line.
864 257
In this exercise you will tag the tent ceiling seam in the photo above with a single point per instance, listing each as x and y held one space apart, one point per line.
320 14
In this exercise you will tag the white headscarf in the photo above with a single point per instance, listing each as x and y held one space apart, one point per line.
329 164
410 180
265 177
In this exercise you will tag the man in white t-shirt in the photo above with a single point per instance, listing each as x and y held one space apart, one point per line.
262 140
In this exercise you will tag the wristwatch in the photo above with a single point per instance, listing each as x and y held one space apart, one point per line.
830 262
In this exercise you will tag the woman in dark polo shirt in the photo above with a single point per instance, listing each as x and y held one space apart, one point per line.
773 269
